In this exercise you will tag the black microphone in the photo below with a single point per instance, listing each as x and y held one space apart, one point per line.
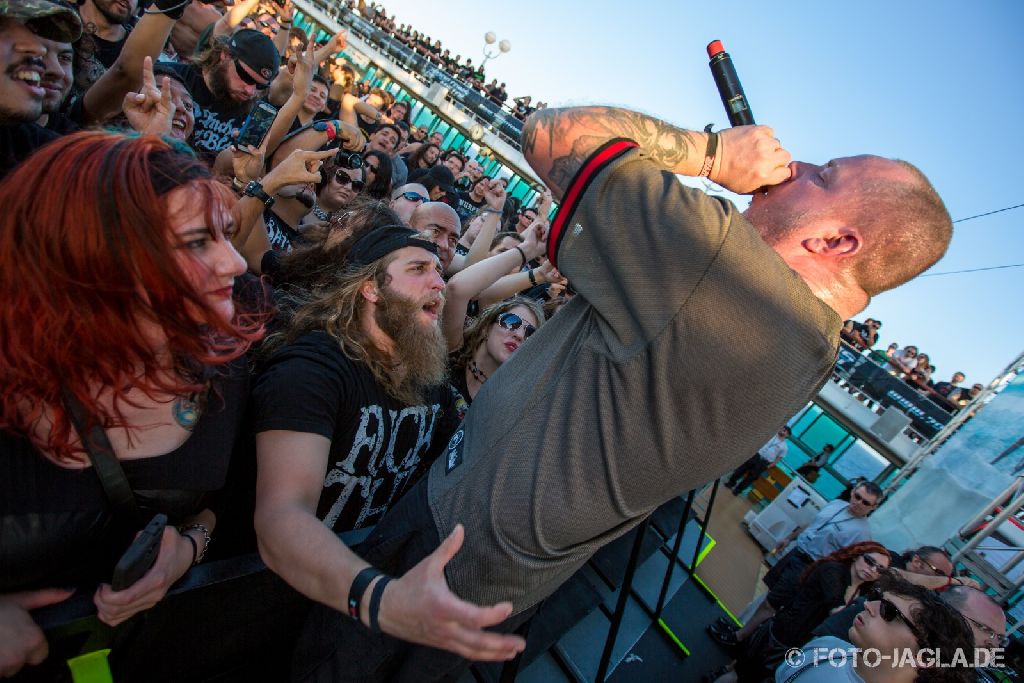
729 88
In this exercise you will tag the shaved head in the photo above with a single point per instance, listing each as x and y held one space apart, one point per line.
440 224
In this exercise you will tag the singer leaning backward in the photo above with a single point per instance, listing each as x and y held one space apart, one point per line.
648 384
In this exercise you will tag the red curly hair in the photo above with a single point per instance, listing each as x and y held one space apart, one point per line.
86 263
849 554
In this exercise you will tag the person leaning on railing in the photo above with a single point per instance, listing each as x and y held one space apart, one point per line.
119 305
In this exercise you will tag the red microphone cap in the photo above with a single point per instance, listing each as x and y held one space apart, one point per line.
715 47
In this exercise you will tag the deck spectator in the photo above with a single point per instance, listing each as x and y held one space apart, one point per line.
944 389
812 468
765 458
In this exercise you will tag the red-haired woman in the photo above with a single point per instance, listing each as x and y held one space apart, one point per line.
830 583
116 276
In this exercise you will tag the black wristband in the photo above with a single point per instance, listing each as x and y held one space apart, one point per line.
359 584
533 278
521 253
195 547
375 598
709 153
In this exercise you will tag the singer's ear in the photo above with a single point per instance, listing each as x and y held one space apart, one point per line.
835 242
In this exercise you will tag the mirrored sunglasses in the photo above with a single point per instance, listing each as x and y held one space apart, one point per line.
512 322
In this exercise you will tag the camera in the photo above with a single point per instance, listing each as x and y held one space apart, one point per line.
346 159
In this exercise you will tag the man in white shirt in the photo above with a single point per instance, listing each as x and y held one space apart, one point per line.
769 454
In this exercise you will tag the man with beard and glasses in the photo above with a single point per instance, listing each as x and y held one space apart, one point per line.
349 409
224 83
29 32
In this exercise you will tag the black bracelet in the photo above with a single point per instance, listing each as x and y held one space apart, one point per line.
195 548
375 598
359 584
521 253
709 153
533 279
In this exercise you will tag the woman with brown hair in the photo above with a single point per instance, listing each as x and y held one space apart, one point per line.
122 352
832 582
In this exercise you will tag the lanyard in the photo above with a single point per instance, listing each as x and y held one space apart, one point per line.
829 521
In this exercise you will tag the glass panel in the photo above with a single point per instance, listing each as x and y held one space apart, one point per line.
860 460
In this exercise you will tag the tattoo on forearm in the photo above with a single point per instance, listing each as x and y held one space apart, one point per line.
591 127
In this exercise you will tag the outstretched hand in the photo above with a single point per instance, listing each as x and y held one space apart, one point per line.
298 168
150 111
748 158
420 608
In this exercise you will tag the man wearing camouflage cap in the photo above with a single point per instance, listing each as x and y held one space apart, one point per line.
25 26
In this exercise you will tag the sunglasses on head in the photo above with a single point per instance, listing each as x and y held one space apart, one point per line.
412 197
247 77
343 178
890 613
512 322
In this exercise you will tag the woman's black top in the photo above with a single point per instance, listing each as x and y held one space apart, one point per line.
819 593
56 526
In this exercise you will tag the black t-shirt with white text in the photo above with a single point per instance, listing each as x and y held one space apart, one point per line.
282 236
215 119
467 206
379 446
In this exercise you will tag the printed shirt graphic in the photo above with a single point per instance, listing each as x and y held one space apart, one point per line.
379 446
215 119
282 237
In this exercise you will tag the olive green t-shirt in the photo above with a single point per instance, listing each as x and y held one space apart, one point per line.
690 343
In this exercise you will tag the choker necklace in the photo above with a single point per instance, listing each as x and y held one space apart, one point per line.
477 373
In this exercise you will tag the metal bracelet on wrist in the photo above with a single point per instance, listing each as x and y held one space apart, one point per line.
205 531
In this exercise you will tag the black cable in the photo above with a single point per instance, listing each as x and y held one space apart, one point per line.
961 220
973 270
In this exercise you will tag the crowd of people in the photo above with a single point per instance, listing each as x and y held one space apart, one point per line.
221 254
911 365
432 50
832 589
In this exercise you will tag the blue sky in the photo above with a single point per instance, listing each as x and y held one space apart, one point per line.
936 83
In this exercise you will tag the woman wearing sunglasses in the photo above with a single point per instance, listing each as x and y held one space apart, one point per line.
898 617
468 284
831 582
337 189
490 340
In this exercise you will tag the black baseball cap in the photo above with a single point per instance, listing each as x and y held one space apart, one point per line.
257 52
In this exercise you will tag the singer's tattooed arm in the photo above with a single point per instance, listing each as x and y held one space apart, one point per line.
556 142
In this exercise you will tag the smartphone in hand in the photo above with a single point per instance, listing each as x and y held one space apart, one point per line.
141 554
256 125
